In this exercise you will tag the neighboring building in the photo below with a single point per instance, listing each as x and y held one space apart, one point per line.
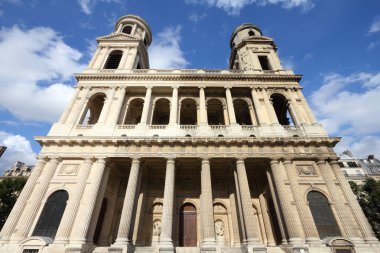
19 169
352 168
372 166
157 160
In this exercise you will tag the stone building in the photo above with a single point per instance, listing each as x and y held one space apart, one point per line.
352 167
372 166
19 169
186 160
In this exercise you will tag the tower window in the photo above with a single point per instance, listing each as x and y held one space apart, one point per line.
251 33
127 29
113 59
264 62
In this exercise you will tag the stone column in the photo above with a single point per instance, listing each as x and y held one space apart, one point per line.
267 222
230 107
123 59
68 218
174 106
145 112
21 202
293 113
289 211
88 202
299 112
269 106
252 115
225 115
102 56
119 103
166 238
131 58
246 201
107 106
29 213
94 58
202 106
257 106
361 220
240 209
234 212
207 210
308 224
306 107
125 226
78 106
68 109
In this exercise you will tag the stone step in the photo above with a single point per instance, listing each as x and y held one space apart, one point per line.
187 250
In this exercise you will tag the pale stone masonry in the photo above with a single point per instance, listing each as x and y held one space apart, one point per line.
186 160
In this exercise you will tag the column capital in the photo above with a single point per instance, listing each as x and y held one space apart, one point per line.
333 161
227 87
135 160
205 160
170 159
89 159
102 160
149 87
273 161
175 86
202 87
287 161
240 160
321 161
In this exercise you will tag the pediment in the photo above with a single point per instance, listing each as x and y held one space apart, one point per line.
116 37
37 241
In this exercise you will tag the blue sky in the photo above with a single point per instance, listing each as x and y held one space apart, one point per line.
335 44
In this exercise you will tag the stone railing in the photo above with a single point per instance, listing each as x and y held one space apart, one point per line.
157 126
249 127
126 126
218 127
84 126
188 127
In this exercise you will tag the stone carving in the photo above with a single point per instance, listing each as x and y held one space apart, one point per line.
157 228
69 169
306 171
219 228
157 208
218 208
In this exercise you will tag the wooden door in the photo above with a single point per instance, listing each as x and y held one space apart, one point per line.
188 226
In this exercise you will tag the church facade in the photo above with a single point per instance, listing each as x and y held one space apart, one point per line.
186 160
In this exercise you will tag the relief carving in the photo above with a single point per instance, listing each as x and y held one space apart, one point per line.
306 171
157 228
69 169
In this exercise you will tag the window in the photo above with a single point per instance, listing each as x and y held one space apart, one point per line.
251 33
322 215
30 251
359 173
264 62
281 108
93 110
352 164
51 215
113 59
345 173
341 164
127 29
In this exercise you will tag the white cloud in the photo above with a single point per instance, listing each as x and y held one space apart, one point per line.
165 51
348 106
195 18
87 5
375 26
233 7
18 149
34 64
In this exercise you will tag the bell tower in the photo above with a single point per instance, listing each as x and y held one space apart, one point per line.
251 51
124 49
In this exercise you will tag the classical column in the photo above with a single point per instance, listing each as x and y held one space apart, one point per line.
68 109
78 106
257 107
123 59
68 217
166 238
174 106
123 234
225 115
289 211
361 220
246 202
102 56
267 222
94 58
252 115
131 58
293 113
230 107
202 106
299 112
107 106
21 202
306 107
234 212
207 210
145 112
114 116
30 211
307 220
88 201
269 106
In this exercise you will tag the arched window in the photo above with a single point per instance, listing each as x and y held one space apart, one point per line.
93 109
127 29
113 59
161 112
242 113
134 111
322 215
188 113
215 114
251 33
281 108
51 215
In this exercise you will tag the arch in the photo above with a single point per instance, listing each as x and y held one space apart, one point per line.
242 112
161 112
215 114
281 108
93 109
322 215
127 29
113 59
187 225
188 112
134 111
51 214
251 33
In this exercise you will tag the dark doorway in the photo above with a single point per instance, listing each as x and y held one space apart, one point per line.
188 226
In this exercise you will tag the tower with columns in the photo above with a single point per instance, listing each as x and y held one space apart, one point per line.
187 161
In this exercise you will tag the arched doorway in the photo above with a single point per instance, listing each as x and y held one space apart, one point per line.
188 226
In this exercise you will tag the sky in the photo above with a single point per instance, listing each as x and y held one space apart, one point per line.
334 44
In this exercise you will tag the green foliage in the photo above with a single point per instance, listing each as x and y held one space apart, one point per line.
369 199
10 189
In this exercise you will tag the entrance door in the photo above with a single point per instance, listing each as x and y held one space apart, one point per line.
188 226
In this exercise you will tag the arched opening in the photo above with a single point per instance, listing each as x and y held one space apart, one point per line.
51 215
99 224
188 113
322 215
93 109
161 112
188 226
113 59
251 33
127 29
242 113
222 231
215 114
281 108
134 111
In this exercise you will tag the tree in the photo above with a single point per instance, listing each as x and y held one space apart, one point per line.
10 189
369 199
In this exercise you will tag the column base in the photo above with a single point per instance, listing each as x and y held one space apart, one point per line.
121 248
208 246
79 247
166 246
296 242
253 249
372 240
313 241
